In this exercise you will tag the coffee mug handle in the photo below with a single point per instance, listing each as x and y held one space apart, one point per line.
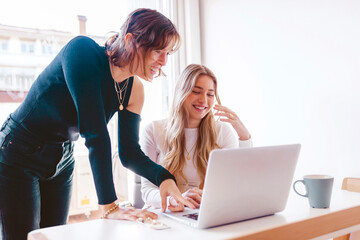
303 195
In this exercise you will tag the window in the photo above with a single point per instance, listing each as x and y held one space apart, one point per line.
27 47
50 45
46 49
16 79
46 43
4 45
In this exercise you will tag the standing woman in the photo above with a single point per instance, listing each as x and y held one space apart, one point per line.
77 94
182 143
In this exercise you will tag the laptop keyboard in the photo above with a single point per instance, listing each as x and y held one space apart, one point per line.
192 216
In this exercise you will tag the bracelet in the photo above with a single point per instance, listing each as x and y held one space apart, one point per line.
110 211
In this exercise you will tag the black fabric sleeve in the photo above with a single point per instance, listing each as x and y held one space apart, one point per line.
82 64
130 153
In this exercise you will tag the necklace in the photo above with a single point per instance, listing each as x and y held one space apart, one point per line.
188 152
119 92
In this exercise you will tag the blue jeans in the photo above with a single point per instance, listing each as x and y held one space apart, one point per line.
35 182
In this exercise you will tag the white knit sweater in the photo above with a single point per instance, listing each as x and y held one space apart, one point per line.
152 143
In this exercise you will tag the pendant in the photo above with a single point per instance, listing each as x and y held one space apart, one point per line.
121 107
188 157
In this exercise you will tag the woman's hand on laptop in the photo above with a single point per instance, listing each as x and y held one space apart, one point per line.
193 195
169 188
175 206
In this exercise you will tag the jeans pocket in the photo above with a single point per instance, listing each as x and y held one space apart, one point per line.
18 145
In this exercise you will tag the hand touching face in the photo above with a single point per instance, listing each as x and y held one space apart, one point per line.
227 115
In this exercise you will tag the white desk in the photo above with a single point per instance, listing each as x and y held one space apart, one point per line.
297 221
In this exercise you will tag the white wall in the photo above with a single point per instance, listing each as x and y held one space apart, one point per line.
291 70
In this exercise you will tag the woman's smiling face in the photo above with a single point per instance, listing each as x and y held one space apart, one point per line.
200 100
154 61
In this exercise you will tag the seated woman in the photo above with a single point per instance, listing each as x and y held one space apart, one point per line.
182 143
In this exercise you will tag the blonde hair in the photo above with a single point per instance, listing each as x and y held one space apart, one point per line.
150 30
175 144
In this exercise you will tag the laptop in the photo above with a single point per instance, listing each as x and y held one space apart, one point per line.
243 183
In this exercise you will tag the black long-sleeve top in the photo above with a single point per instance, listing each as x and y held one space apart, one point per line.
75 95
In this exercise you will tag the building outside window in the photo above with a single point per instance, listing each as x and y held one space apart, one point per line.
4 45
27 46
46 49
